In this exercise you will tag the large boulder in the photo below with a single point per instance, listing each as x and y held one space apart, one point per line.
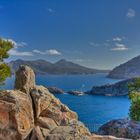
123 128
16 115
73 131
25 79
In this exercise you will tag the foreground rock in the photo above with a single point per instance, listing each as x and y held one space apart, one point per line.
121 128
16 115
117 89
75 92
31 112
55 90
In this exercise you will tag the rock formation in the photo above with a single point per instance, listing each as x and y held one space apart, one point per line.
55 90
121 128
117 89
76 92
31 112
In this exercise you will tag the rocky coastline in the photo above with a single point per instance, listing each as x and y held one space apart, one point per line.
31 112
117 89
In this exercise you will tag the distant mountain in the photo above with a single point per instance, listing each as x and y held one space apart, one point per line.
61 67
130 69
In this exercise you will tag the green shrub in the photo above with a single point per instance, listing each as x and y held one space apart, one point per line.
134 96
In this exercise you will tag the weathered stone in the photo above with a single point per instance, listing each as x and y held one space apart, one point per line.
46 105
123 128
74 131
25 79
16 114
47 123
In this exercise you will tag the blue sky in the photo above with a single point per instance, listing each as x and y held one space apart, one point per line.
95 33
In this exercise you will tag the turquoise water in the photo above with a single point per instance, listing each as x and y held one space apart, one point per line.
92 110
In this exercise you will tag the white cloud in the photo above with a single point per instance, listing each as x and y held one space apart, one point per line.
131 13
48 52
98 44
117 39
119 47
50 10
17 44
15 52
94 44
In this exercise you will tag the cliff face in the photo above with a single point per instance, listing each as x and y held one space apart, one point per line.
130 69
30 112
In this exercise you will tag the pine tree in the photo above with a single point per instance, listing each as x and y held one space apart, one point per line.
5 71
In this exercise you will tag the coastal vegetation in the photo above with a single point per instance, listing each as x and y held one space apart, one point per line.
134 95
5 46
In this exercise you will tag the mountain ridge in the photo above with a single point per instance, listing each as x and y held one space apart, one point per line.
41 66
127 70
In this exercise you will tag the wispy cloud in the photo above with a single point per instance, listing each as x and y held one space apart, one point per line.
117 39
17 45
131 13
98 44
120 47
48 52
50 10
15 52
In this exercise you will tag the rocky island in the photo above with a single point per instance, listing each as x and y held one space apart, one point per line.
76 92
31 112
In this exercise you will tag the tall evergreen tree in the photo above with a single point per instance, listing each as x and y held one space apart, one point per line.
5 46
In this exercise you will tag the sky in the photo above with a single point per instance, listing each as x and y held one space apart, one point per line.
94 33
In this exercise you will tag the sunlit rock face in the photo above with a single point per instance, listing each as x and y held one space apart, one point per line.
31 112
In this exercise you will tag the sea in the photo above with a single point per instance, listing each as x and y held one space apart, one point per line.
93 110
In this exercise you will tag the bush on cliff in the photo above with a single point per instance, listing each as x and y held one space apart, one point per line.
5 46
134 96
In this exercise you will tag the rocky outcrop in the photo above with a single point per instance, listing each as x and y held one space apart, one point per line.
55 90
25 79
31 112
121 128
76 92
117 89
